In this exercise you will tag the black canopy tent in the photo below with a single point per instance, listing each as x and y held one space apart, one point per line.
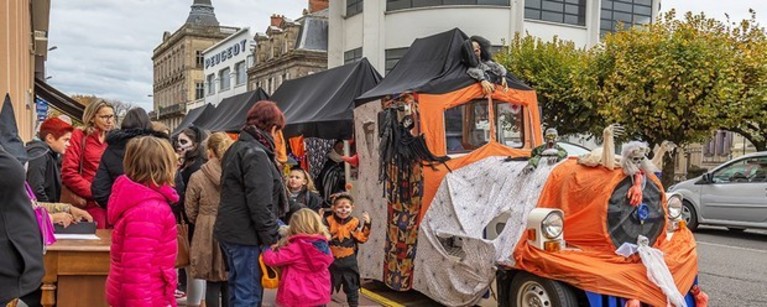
198 114
322 104
432 65
230 115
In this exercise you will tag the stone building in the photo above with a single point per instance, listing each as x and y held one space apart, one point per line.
290 49
178 63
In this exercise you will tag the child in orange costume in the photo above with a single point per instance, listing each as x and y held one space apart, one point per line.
346 233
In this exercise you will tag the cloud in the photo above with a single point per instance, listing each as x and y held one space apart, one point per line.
105 47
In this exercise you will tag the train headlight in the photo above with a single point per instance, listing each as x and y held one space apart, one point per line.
674 207
552 225
545 229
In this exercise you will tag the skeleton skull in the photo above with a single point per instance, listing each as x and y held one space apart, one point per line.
634 157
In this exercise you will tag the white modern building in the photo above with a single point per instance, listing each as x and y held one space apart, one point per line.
225 67
382 30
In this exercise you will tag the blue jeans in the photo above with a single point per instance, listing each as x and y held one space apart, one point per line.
244 274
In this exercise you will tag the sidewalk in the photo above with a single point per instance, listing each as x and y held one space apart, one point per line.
339 299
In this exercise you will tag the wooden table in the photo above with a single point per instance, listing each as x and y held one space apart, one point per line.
76 272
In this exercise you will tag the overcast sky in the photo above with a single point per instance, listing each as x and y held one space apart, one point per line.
105 46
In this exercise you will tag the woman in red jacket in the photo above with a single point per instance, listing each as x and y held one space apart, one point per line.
143 250
81 159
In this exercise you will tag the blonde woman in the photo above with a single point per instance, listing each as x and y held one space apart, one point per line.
144 247
203 196
81 159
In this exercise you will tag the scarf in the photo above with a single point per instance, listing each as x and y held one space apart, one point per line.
262 137
265 139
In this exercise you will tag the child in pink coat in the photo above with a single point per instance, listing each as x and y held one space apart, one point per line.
304 257
143 251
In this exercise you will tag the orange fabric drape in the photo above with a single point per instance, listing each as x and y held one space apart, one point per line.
432 109
583 194
280 148
233 135
298 149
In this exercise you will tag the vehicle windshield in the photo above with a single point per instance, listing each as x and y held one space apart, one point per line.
467 126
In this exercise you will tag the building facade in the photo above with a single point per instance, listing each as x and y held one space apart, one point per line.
23 50
225 67
383 30
290 49
178 63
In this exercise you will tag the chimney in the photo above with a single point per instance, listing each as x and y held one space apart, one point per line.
317 5
277 20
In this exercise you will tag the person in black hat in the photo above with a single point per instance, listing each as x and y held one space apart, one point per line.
21 245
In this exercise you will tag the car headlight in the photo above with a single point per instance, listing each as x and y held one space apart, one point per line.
552 225
674 207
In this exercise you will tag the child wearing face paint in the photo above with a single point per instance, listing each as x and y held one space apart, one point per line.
346 233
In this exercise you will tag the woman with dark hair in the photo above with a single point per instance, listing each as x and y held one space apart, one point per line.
253 198
136 123
189 145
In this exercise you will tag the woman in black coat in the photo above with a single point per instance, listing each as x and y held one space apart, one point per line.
252 199
136 123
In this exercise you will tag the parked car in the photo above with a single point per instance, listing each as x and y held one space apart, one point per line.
573 149
733 194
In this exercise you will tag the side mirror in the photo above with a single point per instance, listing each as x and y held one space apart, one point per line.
707 178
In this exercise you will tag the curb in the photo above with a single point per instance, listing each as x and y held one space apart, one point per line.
379 299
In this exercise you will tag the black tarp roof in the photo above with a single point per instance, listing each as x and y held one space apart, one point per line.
58 100
322 104
230 115
431 65
199 114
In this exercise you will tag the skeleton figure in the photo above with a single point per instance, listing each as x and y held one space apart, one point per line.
598 156
659 151
553 152
481 67
636 165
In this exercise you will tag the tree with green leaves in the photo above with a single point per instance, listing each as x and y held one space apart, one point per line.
554 70
669 80
746 113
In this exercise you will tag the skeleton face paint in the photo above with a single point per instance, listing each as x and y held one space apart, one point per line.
184 144
343 208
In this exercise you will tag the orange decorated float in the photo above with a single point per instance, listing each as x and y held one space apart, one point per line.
442 173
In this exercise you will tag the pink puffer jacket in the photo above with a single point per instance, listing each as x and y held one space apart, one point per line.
143 251
305 279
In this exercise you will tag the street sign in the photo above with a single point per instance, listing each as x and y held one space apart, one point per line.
41 108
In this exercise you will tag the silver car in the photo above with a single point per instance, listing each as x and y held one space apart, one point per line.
733 194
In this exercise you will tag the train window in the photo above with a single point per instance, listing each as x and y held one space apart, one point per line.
467 127
509 126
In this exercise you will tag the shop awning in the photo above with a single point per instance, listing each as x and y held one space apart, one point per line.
58 100
199 114
230 115
322 104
